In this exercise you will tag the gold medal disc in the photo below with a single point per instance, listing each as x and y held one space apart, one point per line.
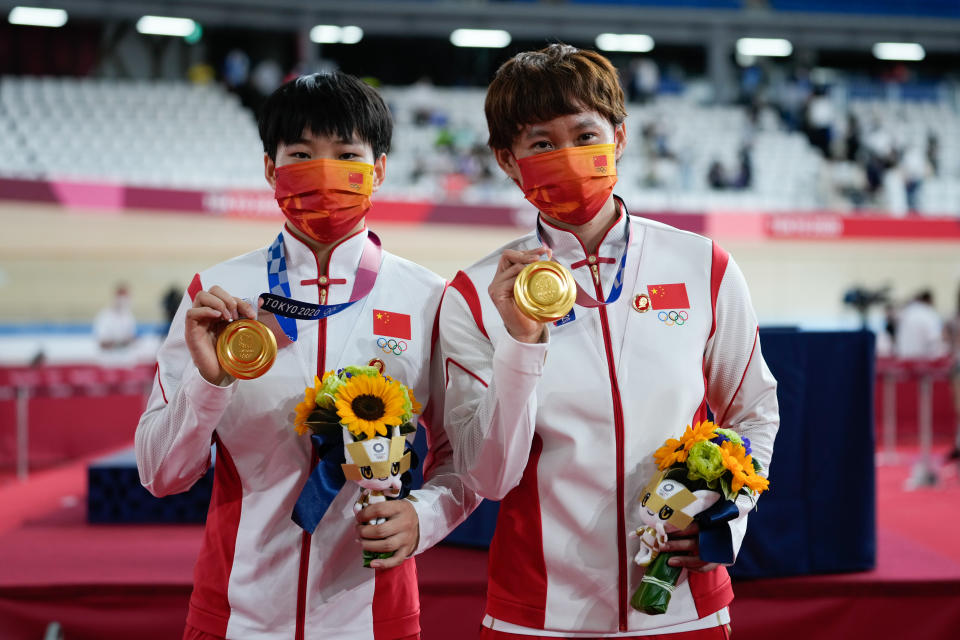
246 349
545 291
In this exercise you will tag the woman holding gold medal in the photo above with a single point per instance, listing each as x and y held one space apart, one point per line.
283 552
563 376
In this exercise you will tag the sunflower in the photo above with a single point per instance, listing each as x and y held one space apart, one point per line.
756 483
734 459
669 453
368 404
305 408
674 450
703 432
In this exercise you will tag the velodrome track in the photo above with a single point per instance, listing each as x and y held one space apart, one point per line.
60 266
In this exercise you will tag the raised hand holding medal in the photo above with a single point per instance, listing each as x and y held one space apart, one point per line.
521 326
244 348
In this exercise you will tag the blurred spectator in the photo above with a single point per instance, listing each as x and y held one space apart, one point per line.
852 139
819 120
913 164
751 81
170 303
933 153
644 80
744 177
716 176
920 333
114 326
423 101
236 69
880 155
267 76
791 98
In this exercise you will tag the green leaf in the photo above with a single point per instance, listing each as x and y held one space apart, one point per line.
727 489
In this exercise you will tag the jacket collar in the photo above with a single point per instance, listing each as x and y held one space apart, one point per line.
570 251
304 269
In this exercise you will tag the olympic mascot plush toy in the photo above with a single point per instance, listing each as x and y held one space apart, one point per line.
666 507
376 464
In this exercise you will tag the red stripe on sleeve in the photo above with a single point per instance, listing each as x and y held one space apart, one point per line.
465 370
195 286
722 416
719 267
160 383
427 417
462 283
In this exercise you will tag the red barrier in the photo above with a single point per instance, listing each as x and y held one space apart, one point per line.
53 414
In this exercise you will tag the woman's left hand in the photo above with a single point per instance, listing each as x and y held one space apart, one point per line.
686 543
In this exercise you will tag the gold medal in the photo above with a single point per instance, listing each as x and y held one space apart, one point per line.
545 291
246 349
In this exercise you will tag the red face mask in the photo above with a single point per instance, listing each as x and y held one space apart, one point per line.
570 185
324 199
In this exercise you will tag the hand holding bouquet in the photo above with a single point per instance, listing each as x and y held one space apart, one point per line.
702 472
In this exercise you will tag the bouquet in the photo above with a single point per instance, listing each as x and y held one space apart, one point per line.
701 475
371 414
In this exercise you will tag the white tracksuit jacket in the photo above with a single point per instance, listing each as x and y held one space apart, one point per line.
563 432
259 575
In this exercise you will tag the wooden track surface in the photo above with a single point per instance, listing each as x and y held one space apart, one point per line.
61 266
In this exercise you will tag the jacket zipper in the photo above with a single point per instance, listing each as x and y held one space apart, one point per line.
304 536
618 431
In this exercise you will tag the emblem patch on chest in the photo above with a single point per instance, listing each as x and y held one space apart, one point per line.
391 324
668 296
641 303
670 301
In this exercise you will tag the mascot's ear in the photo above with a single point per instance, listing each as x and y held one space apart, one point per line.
704 500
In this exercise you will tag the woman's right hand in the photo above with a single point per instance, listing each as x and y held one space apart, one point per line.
521 327
211 309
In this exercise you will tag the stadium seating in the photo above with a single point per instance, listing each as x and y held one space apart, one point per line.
169 134
153 133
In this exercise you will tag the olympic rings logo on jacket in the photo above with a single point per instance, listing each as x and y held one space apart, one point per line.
671 318
396 347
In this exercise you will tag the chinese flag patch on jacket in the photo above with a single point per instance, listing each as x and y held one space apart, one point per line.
391 324
668 296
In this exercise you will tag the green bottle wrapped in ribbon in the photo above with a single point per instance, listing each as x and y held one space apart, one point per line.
656 586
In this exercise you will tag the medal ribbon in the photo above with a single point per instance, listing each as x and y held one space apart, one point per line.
584 299
288 310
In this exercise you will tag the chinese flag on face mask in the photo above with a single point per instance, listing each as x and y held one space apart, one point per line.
668 296
391 324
